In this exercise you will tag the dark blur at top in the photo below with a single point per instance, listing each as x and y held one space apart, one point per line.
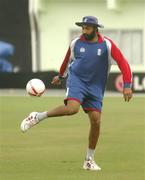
15 30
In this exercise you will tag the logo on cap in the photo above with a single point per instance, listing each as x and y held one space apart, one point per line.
85 20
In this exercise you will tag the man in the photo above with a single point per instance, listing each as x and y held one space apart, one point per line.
86 64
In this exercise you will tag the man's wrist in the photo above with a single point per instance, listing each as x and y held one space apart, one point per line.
60 77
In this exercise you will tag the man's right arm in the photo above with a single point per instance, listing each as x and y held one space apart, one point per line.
69 57
63 69
64 66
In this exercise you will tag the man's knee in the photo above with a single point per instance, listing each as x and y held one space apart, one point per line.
72 110
95 120
72 107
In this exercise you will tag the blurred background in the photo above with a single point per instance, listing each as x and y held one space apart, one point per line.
35 35
34 38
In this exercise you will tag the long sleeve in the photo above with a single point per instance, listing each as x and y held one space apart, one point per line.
69 57
65 63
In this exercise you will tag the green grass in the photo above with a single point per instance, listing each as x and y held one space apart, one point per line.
55 149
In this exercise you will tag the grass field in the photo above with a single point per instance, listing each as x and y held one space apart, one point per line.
55 149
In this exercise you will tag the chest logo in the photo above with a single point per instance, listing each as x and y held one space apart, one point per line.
82 49
99 52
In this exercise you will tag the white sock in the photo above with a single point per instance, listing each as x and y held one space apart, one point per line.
42 115
90 153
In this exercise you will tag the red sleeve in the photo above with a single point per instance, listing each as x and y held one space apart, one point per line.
122 63
65 63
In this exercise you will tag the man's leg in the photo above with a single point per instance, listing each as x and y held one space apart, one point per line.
94 133
94 117
72 107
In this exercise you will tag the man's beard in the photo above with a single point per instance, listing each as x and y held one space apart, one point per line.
91 36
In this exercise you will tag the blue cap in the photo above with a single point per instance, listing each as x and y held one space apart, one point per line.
89 20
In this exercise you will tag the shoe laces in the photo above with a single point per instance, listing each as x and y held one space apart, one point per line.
32 119
90 162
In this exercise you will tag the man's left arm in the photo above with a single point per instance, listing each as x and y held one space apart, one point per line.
125 70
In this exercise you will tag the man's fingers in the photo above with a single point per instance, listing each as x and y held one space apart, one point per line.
55 82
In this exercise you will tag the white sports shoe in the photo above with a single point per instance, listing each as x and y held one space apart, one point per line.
29 121
90 164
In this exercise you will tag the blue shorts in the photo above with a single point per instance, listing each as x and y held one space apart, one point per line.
85 97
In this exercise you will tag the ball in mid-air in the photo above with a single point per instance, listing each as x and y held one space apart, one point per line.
35 87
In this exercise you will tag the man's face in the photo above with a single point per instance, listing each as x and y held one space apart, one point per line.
89 32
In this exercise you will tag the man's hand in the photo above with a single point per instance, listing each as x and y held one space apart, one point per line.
56 80
127 93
